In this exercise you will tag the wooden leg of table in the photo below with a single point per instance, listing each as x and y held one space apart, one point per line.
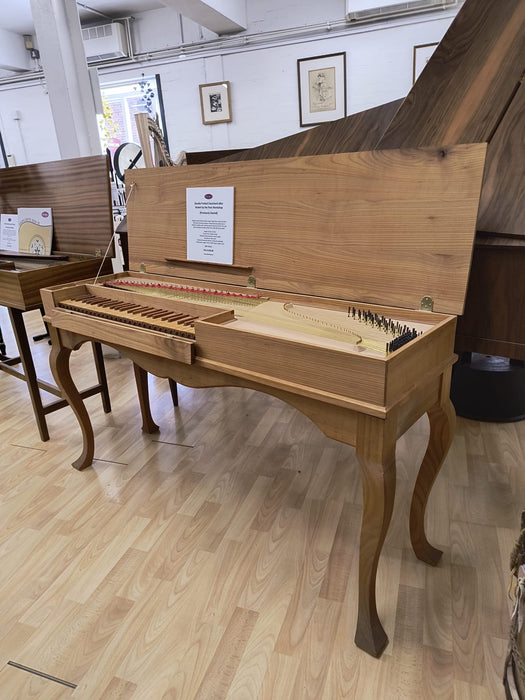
174 392
59 363
442 419
375 449
101 376
141 380
20 333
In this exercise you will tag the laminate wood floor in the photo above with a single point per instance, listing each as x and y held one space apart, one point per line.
218 558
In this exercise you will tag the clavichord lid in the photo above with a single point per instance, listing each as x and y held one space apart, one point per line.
379 227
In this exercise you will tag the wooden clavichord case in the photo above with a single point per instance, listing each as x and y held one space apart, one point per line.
388 233
337 261
78 192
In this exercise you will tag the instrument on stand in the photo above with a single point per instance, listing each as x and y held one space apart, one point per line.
337 260
78 192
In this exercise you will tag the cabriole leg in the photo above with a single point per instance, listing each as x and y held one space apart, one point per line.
59 363
376 455
442 419
141 381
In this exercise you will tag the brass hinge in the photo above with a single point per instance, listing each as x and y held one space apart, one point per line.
426 304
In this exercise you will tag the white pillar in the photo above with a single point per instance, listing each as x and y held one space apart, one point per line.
57 28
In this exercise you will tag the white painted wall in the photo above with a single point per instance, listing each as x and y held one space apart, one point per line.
263 80
146 33
267 15
13 54
27 126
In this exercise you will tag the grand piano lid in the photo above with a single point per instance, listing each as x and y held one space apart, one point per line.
379 227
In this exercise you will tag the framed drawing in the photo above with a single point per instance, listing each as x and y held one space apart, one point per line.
322 88
215 102
422 54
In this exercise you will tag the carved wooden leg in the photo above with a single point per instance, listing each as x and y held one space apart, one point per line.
59 363
442 419
141 380
376 452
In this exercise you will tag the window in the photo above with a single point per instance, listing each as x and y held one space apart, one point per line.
121 102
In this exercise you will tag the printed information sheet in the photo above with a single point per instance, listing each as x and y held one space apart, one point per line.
209 224
9 232
35 230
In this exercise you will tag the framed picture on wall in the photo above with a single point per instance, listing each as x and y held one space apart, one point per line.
215 102
422 54
322 88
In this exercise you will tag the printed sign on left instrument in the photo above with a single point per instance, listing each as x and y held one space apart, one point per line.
9 232
35 230
209 224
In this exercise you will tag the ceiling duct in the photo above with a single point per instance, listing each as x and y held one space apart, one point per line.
361 10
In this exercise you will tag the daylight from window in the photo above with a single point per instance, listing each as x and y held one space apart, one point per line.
120 103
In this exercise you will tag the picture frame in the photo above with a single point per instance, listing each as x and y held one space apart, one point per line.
421 56
215 102
322 88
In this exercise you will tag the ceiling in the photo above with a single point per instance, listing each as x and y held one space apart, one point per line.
15 15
